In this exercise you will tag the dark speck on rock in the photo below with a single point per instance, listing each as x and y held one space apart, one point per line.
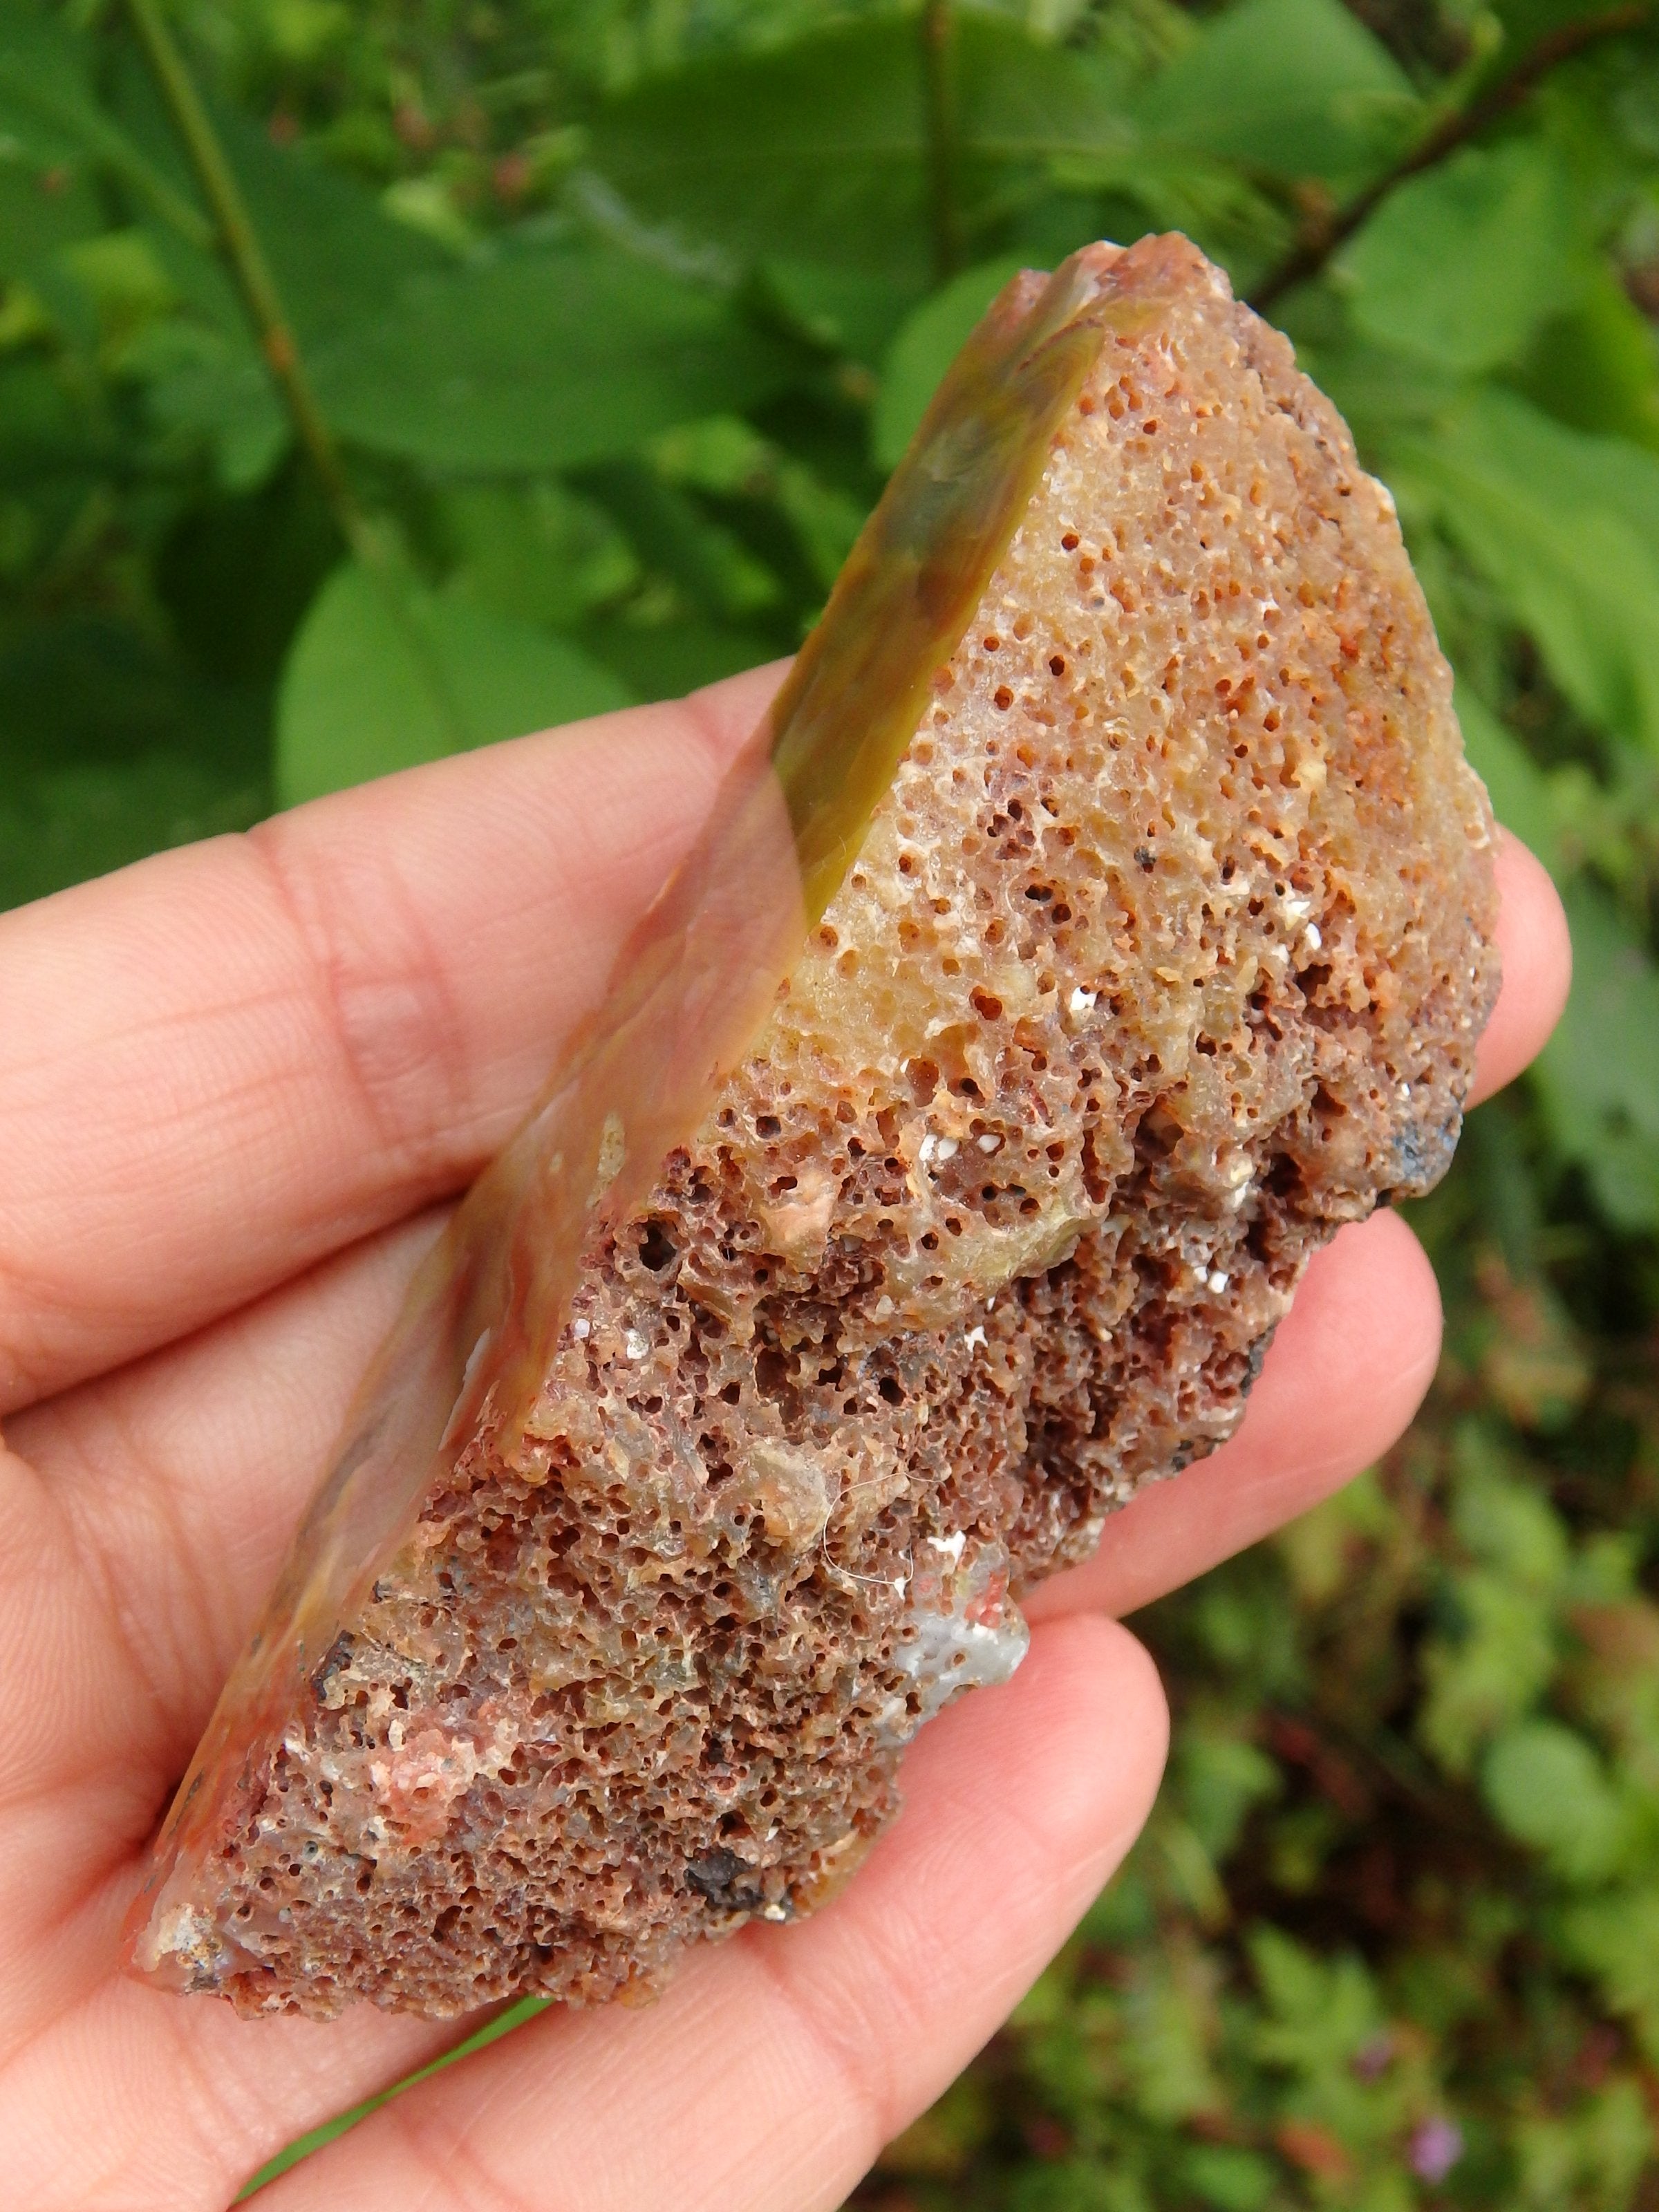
717 1880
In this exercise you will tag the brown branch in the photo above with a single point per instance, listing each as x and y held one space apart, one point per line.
240 245
1306 260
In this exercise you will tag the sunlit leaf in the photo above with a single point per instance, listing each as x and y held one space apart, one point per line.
542 359
817 151
535 552
1298 88
1567 528
676 537
1549 1790
383 675
1462 264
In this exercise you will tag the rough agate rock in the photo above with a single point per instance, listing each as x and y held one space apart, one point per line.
1165 954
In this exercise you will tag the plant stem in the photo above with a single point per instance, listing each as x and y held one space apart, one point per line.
938 38
239 243
1306 260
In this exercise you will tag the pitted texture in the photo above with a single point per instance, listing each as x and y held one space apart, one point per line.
1167 954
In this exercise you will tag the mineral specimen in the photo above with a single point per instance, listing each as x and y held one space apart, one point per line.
1165 953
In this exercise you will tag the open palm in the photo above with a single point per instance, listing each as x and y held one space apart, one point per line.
237 1084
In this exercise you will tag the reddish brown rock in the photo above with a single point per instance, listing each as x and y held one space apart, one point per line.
1166 954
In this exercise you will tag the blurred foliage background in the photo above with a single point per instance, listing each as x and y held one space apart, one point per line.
564 346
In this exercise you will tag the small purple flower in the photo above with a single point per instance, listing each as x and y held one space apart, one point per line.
1437 2146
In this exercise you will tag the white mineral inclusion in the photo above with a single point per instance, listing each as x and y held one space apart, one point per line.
976 1637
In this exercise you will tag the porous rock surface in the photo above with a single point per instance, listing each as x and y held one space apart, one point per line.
1166 955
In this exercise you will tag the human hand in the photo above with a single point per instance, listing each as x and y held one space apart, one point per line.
236 1083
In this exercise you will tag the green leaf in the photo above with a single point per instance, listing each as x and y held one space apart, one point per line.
1518 789
384 674
1153 185
927 342
1320 2012
816 151
1547 1787
665 659
339 262
1598 1074
1227 2179
1594 2154
211 388
1221 1775
1617 1938
64 824
535 552
40 214
338 259
1567 528
1461 264
110 749
1596 366
1297 87
1504 1520
1171 2024
728 458
673 535
337 256
846 311
541 360
43 429
52 120
1502 1646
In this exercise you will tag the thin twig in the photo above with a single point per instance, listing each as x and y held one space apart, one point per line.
1306 260
939 33
239 243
